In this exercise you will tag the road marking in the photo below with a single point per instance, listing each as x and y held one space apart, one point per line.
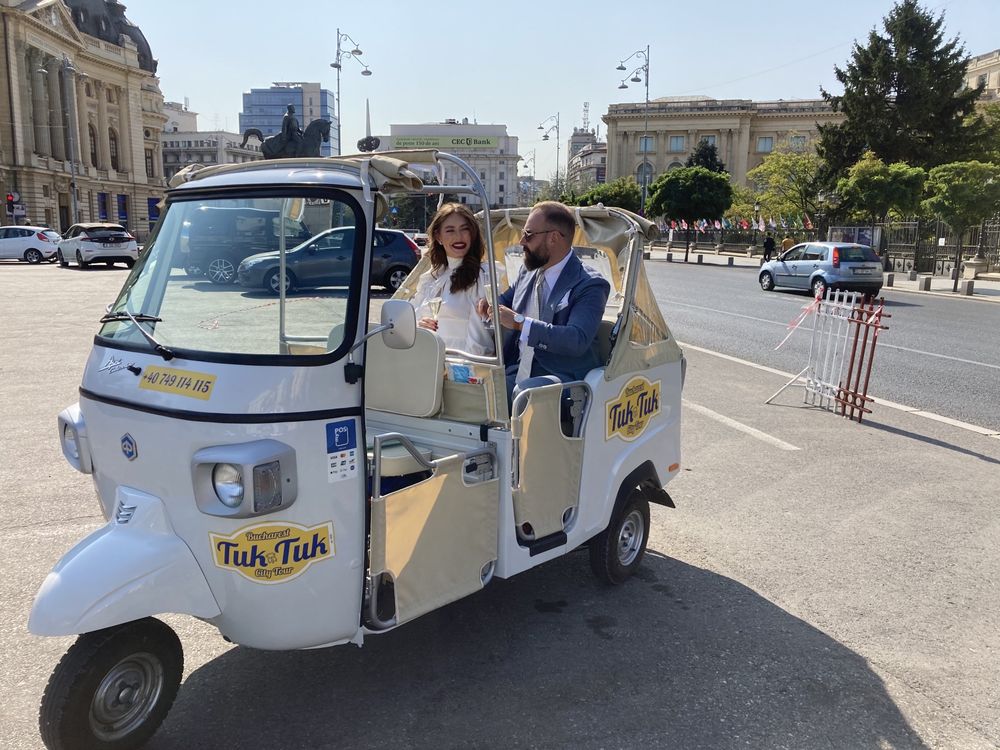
985 431
746 429
882 344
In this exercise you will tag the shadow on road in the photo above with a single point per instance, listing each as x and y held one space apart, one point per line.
678 657
932 441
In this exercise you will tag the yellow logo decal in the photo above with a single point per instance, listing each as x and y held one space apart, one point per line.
273 552
181 382
636 405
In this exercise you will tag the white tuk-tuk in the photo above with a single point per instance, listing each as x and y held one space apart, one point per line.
299 476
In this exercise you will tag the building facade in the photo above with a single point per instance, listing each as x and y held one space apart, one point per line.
264 109
985 69
82 114
486 148
184 144
743 132
588 166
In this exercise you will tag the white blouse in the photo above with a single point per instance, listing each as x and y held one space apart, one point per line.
459 325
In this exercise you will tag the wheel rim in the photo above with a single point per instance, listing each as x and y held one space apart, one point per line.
221 270
630 537
396 278
33 256
765 282
126 696
275 283
819 289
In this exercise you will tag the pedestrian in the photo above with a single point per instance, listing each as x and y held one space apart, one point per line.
786 243
768 247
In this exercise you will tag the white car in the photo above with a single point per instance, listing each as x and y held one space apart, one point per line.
31 244
97 243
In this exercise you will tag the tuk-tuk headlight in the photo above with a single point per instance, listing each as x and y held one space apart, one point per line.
228 482
70 446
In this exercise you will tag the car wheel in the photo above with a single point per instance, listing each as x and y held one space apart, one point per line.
395 277
62 261
766 281
194 270
221 271
272 281
80 261
33 256
109 263
819 287
113 688
617 551
129 263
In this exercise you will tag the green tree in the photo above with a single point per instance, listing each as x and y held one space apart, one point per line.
963 194
904 97
789 182
621 193
990 119
690 193
705 155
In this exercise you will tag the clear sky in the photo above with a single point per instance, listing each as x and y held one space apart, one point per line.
515 62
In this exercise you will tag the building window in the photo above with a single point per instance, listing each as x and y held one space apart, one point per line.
500 188
109 94
92 133
644 174
501 175
482 175
797 142
87 91
709 139
113 146
646 144
765 144
981 81
677 143
149 163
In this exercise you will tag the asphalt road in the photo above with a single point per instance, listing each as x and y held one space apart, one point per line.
941 355
821 584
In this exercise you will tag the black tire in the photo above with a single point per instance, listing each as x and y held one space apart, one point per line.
193 269
129 263
113 688
395 277
617 551
33 256
818 287
766 281
272 281
80 261
109 263
221 271
62 261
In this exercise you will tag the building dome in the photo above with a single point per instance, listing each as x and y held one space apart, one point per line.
105 19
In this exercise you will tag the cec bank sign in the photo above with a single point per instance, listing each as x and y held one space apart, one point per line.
445 142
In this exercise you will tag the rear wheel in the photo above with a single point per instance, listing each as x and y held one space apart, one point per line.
221 271
62 261
80 261
129 263
193 269
109 263
819 287
33 256
766 281
113 687
272 282
617 551
395 277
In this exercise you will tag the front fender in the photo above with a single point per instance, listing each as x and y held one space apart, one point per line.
133 567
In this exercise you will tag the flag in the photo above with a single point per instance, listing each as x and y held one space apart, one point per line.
771 224
673 224
718 224
808 224
744 224
784 223
761 226
684 224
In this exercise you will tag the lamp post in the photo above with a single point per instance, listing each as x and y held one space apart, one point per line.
68 105
337 64
756 223
634 77
545 137
531 188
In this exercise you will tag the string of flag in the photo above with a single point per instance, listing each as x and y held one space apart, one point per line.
801 221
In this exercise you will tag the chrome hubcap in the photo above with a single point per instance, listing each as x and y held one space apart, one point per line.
126 696
630 537
397 278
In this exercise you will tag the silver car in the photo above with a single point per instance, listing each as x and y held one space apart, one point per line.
818 266
31 244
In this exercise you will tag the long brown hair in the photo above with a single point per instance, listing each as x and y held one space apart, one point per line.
467 274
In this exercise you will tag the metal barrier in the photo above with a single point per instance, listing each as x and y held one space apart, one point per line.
841 352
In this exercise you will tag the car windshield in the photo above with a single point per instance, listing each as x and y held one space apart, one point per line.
205 316
52 235
857 254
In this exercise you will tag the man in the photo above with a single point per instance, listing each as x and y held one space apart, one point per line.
553 309
786 243
291 133
768 247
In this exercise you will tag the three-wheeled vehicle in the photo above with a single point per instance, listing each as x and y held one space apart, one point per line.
300 476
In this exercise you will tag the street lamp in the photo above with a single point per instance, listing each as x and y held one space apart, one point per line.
545 137
756 223
636 78
354 54
531 188
68 105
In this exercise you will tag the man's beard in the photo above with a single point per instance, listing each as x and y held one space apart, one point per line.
532 261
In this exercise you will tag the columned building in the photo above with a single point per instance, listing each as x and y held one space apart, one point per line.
743 132
82 109
985 69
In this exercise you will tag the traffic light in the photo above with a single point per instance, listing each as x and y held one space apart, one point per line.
10 204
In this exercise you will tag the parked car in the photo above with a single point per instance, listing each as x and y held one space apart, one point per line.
31 244
420 238
327 259
215 239
818 266
97 243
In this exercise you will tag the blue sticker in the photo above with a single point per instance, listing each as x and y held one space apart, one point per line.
341 436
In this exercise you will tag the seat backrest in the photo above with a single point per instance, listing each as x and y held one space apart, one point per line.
405 381
604 340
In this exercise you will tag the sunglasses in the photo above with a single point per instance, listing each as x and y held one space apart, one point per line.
527 235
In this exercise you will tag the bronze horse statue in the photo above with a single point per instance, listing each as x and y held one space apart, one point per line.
275 147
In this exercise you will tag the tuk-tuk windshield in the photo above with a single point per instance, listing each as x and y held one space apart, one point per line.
210 279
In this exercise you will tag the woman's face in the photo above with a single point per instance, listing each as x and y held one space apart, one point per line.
455 236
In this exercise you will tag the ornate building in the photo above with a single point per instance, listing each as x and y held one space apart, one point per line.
80 104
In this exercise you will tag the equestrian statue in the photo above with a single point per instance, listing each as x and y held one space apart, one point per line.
292 141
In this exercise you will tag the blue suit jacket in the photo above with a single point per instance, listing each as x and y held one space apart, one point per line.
565 335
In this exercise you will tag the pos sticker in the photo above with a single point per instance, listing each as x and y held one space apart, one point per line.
342 450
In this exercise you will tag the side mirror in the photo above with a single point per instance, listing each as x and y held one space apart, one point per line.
400 320
311 249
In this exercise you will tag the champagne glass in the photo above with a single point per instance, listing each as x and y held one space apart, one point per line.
434 303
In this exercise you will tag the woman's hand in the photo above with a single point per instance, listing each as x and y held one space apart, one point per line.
429 323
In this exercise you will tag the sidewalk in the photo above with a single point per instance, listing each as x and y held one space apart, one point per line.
985 290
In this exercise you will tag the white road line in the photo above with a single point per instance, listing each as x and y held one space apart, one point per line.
751 431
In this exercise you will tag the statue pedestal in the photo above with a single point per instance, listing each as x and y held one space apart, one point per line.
974 266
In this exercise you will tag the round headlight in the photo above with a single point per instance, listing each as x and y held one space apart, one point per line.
69 441
228 482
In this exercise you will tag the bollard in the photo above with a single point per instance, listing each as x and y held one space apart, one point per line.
965 287
670 257
954 274
913 276
730 261
889 278
646 255
923 283
700 258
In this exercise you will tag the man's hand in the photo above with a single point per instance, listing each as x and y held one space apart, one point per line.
507 318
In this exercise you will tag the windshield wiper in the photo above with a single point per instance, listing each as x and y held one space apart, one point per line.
136 320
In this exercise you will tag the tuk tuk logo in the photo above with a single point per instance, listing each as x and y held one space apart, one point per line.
273 552
630 413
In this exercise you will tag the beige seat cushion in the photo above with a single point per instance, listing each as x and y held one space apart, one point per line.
397 461
405 381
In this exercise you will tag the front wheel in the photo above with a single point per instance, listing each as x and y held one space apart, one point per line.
766 281
33 256
62 261
221 271
395 277
272 282
818 287
616 552
113 688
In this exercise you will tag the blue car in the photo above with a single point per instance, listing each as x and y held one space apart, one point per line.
818 266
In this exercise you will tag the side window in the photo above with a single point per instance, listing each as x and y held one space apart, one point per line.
24 233
380 240
813 252
796 253
3 234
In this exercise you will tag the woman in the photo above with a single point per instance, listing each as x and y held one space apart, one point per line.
457 279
